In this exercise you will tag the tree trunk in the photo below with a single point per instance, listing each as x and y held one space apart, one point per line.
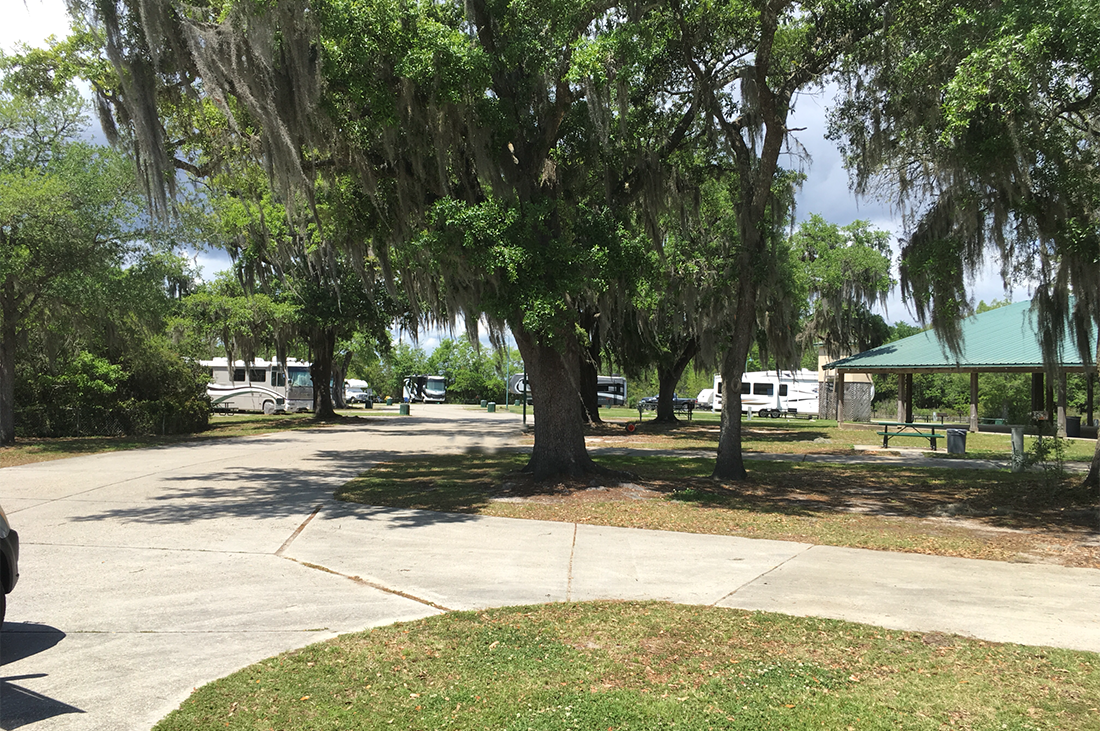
559 449
590 369
1092 480
7 378
339 374
730 464
667 377
323 344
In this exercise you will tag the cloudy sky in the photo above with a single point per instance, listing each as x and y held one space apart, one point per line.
825 192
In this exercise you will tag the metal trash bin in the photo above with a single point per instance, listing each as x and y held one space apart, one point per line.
484 403
403 410
1073 426
956 441
491 407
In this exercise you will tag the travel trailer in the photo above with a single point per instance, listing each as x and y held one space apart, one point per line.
771 393
611 390
425 389
261 385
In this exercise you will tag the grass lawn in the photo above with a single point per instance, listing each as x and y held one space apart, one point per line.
949 512
799 436
27 451
619 665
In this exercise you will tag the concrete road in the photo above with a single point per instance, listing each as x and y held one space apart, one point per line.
148 573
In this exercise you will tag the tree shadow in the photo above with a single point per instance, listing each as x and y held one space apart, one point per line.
20 706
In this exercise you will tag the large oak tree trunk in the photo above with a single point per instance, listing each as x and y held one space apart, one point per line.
554 377
667 378
590 368
7 378
323 345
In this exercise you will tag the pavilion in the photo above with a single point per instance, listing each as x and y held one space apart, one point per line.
1003 340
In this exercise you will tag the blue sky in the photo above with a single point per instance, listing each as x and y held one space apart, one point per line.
825 192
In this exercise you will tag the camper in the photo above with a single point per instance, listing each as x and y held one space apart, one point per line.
425 389
771 393
611 390
261 385
357 391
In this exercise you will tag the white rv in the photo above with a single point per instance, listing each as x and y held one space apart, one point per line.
261 385
611 390
426 389
770 393
357 391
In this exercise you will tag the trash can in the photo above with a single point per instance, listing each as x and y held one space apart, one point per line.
484 403
492 407
403 410
1073 426
956 441
389 401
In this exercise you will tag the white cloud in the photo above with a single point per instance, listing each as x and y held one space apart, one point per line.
32 21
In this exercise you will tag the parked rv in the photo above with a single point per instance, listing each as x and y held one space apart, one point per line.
771 393
261 385
611 390
357 391
425 389
705 399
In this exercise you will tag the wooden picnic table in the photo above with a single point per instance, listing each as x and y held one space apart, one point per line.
920 429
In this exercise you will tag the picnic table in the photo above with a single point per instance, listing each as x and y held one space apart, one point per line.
920 429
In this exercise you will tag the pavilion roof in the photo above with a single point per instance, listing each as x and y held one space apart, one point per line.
1000 340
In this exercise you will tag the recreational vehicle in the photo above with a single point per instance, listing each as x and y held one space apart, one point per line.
426 389
261 385
771 393
611 390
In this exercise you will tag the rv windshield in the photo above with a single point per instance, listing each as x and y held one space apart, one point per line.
435 385
299 377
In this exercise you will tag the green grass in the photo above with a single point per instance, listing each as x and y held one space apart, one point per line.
950 512
644 666
800 436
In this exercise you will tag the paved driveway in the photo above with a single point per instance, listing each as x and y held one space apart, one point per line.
148 573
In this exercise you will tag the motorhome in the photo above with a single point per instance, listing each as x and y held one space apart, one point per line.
357 391
771 393
426 389
261 385
611 390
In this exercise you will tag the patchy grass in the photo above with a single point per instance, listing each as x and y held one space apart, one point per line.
947 512
625 665
30 450
797 436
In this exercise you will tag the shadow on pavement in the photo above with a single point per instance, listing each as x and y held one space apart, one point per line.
19 706
266 492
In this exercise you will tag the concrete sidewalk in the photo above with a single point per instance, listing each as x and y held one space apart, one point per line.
148 573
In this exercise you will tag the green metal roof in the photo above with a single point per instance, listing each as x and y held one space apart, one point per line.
1004 339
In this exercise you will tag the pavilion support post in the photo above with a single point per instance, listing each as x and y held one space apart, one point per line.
1037 392
839 398
901 397
974 402
1050 402
908 397
1062 404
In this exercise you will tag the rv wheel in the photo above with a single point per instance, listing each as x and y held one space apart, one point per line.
269 407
